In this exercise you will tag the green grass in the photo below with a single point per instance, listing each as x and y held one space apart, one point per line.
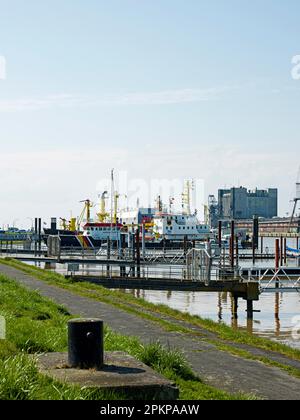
145 309
35 325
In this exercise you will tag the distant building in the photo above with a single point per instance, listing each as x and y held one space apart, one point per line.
239 203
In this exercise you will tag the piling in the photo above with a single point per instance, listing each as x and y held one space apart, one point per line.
250 309
235 306
281 250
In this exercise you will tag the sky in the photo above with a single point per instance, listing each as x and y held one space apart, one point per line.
157 90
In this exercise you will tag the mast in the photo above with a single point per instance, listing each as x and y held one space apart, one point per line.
187 197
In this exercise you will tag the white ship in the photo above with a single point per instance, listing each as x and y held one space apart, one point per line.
177 227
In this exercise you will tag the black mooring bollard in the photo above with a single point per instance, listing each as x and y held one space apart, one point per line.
86 344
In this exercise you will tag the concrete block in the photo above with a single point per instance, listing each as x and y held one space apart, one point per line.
121 373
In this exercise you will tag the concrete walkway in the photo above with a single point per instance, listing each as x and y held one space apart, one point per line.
220 369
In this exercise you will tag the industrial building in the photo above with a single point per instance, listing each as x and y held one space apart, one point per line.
240 203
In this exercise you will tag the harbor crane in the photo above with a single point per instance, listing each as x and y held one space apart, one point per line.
86 211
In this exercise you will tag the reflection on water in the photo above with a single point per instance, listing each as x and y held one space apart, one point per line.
272 318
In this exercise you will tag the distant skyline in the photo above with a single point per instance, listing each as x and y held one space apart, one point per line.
162 90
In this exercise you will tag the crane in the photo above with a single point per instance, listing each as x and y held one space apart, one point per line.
103 215
86 210
296 199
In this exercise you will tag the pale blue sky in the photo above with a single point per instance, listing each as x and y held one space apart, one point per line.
161 88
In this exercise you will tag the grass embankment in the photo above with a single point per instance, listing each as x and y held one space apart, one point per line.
147 310
37 325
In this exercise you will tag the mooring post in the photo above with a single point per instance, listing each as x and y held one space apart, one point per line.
86 344
281 250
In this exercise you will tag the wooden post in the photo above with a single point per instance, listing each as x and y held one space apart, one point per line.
281 250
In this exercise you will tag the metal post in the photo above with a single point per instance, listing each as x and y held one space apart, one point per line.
255 234
143 241
108 256
285 251
262 244
232 244
138 253
220 234
40 235
237 250
86 343
35 236
277 254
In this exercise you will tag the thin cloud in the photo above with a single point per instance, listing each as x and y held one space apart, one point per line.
165 97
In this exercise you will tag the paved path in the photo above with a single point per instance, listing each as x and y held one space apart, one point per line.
216 368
